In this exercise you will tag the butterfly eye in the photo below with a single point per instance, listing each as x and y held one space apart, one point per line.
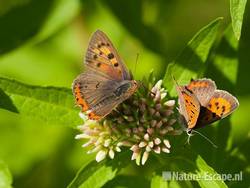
189 131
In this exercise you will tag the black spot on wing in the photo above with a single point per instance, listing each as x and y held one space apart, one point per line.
223 108
192 104
97 85
111 56
188 89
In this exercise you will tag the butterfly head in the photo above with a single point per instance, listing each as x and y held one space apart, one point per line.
189 134
126 89
189 131
134 86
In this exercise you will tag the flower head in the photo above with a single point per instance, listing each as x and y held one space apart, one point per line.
101 138
142 124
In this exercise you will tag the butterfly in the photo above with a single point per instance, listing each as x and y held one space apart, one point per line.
106 81
201 103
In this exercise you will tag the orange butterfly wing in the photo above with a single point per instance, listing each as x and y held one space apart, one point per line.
92 92
220 105
102 57
209 103
189 106
105 72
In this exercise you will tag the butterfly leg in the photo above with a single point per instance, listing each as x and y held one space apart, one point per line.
189 133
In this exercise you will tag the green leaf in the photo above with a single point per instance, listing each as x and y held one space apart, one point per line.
127 181
158 182
223 63
5 176
203 170
191 62
241 117
48 16
49 104
97 174
18 19
237 8
184 167
243 86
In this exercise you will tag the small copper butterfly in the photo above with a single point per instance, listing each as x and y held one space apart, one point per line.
200 103
106 81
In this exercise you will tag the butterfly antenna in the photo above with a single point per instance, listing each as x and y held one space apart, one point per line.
175 81
136 61
206 138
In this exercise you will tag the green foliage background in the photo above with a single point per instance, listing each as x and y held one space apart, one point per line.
42 45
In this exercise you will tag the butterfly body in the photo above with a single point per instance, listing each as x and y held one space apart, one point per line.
106 82
201 104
